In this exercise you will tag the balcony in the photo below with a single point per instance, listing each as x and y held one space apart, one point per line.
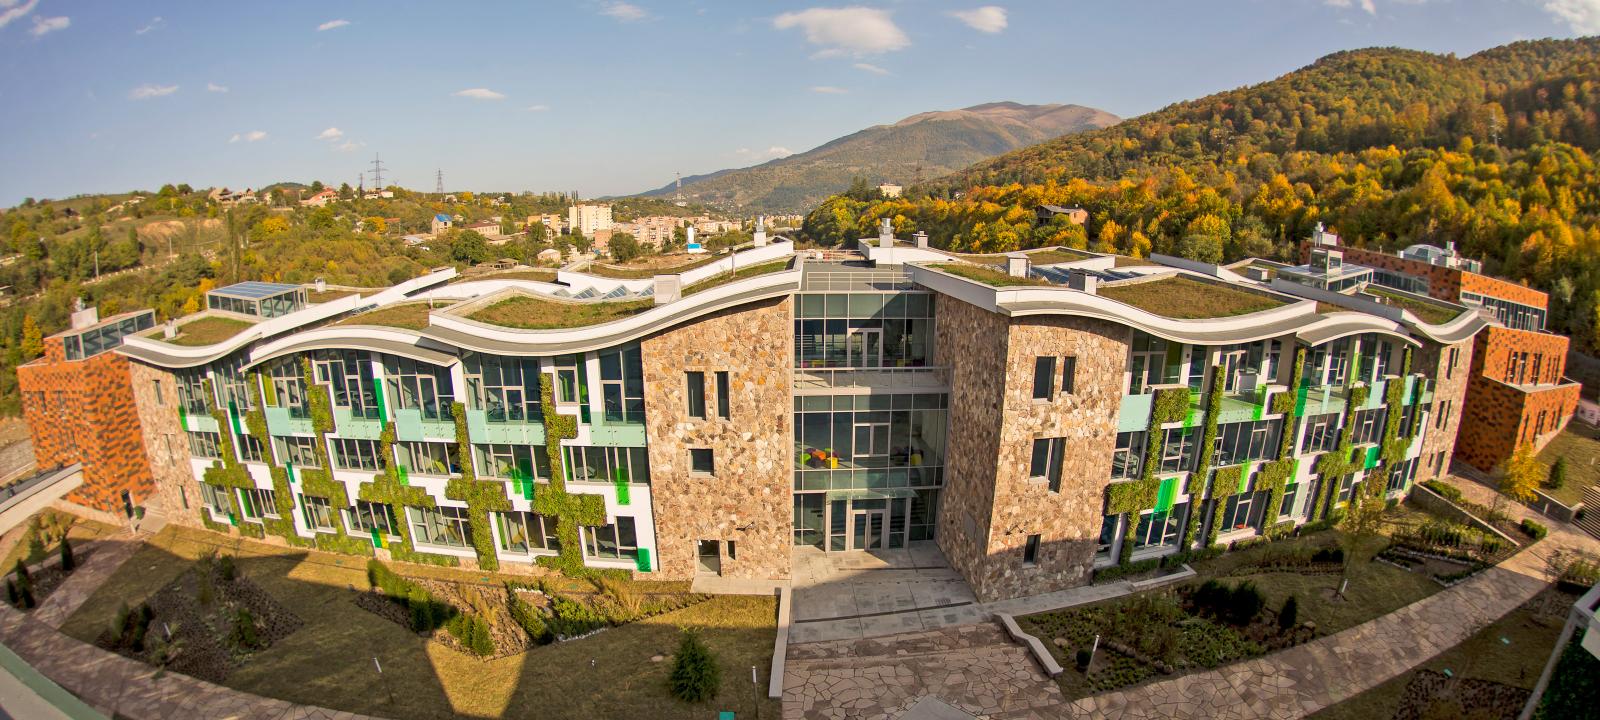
286 421
823 381
409 424
1321 399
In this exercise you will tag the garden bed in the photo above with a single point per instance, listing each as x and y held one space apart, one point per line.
205 623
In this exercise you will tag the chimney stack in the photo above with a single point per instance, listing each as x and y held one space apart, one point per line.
885 233
170 331
1082 281
1018 266
322 285
761 231
922 239
668 288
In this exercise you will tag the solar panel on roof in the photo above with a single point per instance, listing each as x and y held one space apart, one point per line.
255 289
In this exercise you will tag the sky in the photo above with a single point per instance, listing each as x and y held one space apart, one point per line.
606 97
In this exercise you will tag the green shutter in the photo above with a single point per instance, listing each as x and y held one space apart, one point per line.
1166 494
1244 478
377 540
642 562
621 482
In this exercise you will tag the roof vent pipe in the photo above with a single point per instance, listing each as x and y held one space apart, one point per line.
1082 281
885 233
922 239
667 288
1017 266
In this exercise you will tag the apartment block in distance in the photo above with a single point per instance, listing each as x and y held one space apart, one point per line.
1519 394
1037 415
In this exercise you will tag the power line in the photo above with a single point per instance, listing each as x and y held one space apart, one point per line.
377 173
438 181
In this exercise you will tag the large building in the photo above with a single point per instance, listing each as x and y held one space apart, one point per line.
1039 415
587 219
1519 395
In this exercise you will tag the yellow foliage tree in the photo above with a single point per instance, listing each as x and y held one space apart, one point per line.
1522 475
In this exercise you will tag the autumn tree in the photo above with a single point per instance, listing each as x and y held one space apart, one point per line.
1521 476
32 339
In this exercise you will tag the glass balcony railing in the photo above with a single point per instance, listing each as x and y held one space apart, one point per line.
930 379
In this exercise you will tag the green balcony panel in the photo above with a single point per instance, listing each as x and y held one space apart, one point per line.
1135 412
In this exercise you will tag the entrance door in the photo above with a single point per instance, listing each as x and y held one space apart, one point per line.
710 557
868 530
865 347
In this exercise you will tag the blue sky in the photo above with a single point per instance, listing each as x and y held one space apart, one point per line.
608 97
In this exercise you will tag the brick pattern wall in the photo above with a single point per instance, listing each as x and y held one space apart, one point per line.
166 445
1496 344
83 411
1501 417
1449 386
972 343
1443 283
748 501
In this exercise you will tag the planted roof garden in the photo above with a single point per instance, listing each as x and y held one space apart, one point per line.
649 268
987 275
1429 312
407 316
527 312
208 330
1184 298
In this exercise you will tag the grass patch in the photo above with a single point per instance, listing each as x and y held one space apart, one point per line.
329 661
987 275
739 274
313 296
204 331
532 313
408 316
548 276
1185 298
1580 445
648 268
1428 312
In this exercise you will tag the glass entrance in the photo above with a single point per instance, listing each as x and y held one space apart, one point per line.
865 347
867 530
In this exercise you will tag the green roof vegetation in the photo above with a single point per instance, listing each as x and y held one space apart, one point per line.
1125 261
1429 312
539 275
208 330
986 275
1184 298
1048 256
638 271
407 316
740 274
527 312
327 295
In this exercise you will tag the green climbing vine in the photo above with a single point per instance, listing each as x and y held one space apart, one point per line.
1202 475
1167 405
388 488
1274 476
553 500
319 482
225 473
481 496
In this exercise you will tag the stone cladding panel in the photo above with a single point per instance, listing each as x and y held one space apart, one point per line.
166 445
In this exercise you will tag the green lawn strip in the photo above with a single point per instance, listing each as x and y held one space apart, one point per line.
1430 313
407 316
1185 298
1580 445
1483 656
205 331
618 272
987 275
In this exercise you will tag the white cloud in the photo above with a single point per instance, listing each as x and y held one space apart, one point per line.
1368 5
350 145
988 19
332 24
145 92
154 24
213 87
1583 16
776 151
332 133
13 11
626 12
538 108
46 25
252 136
480 94
828 90
853 31
869 67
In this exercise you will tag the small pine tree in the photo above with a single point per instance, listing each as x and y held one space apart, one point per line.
695 676
68 562
1558 474
27 597
1290 614
244 631
23 578
12 596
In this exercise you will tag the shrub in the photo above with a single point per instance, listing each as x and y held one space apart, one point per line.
12 596
244 634
473 632
384 579
695 675
1581 572
1558 474
1328 555
1083 658
26 596
571 618
226 568
1445 490
1211 598
530 619
1244 603
23 578
1534 529
68 562
427 613
1290 614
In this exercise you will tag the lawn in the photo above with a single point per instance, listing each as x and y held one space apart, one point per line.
79 531
1511 651
1428 312
1580 445
323 296
208 330
651 266
408 316
533 313
1185 298
987 275
739 274
330 661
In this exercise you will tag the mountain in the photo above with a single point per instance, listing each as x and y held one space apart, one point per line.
1495 152
925 145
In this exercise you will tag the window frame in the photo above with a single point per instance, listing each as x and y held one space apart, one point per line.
695 393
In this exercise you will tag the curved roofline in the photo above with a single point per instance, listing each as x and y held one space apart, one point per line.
378 338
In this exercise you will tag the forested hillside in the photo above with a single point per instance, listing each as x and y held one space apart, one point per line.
1388 147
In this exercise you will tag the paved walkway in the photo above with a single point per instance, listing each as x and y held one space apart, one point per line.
101 559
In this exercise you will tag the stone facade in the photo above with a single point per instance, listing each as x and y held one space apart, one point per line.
166 444
992 403
1449 392
83 411
746 501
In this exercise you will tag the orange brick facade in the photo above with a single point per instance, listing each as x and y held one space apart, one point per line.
84 411
1444 283
1517 395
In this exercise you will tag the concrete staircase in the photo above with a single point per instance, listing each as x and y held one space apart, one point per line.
1590 521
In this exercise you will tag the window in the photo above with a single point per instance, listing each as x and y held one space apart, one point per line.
1322 433
1069 374
1402 475
1153 361
1246 441
1108 535
368 516
1178 450
1347 486
349 454
722 394
1242 511
298 451
318 513
1044 378
191 390
697 393
568 369
250 449
1127 461
1046 462
442 526
1160 529
605 464
616 541
231 384
420 386
348 375
1368 426
512 462
204 444
1290 492
1030 551
505 388
1443 415
1450 364
160 399
255 504
214 498
430 458
524 532
288 387
622 385
701 461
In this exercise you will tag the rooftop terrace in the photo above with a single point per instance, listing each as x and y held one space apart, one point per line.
987 275
1184 298
407 316
1048 256
652 266
1432 313
208 330
528 312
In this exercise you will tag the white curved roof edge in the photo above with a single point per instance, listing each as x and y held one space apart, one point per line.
628 328
488 286
1033 300
1344 324
390 339
579 280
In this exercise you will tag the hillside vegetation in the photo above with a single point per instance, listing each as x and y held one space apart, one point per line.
1388 147
926 145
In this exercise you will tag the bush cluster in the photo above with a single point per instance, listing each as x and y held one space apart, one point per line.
1445 490
129 628
1534 529
473 632
20 591
1117 572
427 612
1237 605
244 635
530 619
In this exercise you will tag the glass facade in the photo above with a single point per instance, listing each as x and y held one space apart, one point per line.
866 330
